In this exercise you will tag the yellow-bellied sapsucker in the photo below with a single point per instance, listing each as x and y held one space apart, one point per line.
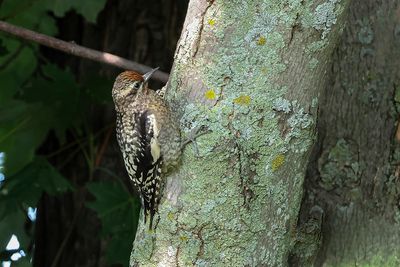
148 136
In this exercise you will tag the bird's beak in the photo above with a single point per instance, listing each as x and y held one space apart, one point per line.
147 76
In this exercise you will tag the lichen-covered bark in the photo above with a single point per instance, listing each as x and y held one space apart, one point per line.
354 174
251 71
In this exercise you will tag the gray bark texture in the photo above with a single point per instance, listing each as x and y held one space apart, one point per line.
353 173
252 72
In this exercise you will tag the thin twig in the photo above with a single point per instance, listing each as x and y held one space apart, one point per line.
80 51
82 140
103 147
84 152
71 156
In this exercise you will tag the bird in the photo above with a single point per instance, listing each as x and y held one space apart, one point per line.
148 135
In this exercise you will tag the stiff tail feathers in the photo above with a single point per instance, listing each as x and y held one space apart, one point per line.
151 194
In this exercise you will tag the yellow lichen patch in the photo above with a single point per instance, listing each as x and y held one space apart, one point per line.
170 216
277 162
264 70
183 238
211 22
242 100
210 94
261 40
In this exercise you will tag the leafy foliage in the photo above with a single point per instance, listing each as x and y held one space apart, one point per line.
115 204
88 9
39 99
40 176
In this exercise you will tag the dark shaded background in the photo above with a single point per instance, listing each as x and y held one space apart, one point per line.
60 113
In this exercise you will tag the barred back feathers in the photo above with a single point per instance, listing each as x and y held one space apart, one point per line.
148 136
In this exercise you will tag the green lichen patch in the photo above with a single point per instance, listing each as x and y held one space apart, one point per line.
313 63
296 125
325 16
341 167
365 34
283 105
316 46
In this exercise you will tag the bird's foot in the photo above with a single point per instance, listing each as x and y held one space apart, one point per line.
191 138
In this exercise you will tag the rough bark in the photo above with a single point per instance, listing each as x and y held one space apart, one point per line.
251 71
353 174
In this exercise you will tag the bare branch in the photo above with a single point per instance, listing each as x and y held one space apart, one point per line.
80 51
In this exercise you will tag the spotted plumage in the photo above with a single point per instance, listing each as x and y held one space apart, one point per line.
148 136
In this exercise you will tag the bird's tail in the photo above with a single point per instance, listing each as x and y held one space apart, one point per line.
151 193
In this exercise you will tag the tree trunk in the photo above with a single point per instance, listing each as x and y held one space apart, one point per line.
252 72
354 171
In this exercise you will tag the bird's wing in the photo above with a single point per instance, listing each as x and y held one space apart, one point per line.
149 162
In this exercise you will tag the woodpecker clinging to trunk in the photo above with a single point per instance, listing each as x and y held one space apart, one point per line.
148 136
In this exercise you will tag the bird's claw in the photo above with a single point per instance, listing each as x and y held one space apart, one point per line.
191 138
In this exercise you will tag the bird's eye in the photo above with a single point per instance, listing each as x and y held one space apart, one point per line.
136 85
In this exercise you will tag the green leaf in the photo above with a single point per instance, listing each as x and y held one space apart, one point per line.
119 249
29 14
9 7
27 186
9 86
118 211
58 92
88 8
3 49
13 223
98 88
47 25
23 190
23 128
17 66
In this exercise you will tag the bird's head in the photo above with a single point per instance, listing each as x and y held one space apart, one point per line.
129 83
